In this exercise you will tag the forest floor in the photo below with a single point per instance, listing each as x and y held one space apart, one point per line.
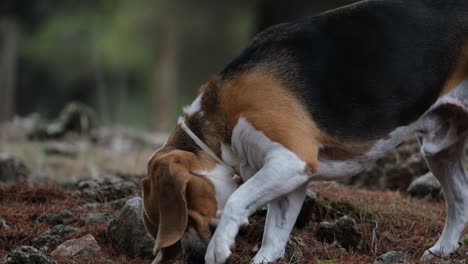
386 220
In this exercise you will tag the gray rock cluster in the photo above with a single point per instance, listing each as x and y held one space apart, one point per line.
50 239
98 217
393 257
394 171
55 219
75 117
105 188
341 231
4 225
426 185
12 170
127 231
27 255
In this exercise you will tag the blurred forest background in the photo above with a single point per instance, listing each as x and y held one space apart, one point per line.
135 62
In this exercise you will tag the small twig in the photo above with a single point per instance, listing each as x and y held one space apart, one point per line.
374 242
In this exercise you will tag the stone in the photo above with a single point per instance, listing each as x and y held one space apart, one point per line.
12 170
4 225
98 217
83 246
313 209
75 117
61 149
293 251
55 219
393 257
424 186
105 188
341 231
394 171
127 231
124 139
27 255
452 261
50 239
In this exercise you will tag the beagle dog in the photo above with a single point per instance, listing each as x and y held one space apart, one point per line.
317 99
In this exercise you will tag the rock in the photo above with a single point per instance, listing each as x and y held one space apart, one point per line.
452 261
27 255
98 217
321 209
61 149
4 225
313 209
12 170
60 218
394 171
105 188
50 239
87 206
341 231
75 117
117 204
392 257
293 252
424 186
19 126
121 139
128 233
83 246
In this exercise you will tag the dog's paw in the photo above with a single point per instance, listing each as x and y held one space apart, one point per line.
267 255
218 251
439 252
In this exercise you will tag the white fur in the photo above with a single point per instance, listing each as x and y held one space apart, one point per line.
224 184
229 156
280 220
194 107
278 172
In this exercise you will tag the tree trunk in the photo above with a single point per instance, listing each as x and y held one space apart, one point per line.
165 76
8 56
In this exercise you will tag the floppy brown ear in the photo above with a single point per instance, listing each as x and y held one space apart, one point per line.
173 213
165 205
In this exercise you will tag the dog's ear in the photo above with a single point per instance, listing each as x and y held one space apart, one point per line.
202 205
164 201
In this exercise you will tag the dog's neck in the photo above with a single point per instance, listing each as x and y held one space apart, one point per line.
203 122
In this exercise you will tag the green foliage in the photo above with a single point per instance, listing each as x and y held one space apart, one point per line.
74 43
98 48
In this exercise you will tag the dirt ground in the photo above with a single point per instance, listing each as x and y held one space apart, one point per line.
402 224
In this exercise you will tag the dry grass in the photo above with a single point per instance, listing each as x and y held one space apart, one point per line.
403 224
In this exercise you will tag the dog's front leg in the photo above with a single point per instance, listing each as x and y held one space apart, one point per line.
281 217
282 173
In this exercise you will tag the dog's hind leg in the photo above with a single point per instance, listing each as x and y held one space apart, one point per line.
447 167
281 216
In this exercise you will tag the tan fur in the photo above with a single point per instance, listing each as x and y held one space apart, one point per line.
336 149
273 110
174 197
459 73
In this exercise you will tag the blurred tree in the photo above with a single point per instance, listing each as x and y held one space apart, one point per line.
166 75
8 53
136 62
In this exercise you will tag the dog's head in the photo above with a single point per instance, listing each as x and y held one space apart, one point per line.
179 205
